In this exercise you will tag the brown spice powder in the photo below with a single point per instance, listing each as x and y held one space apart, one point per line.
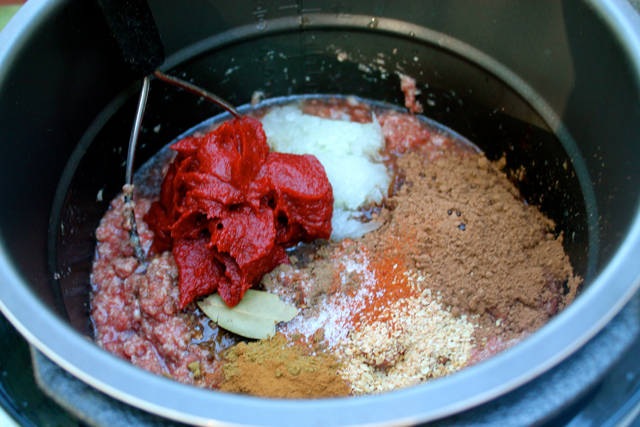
277 368
484 252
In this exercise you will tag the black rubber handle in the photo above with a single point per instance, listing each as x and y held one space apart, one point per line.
136 34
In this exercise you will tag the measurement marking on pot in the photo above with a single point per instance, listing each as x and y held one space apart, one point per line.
312 61
260 12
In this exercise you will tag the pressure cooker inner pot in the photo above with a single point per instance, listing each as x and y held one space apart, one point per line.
546 86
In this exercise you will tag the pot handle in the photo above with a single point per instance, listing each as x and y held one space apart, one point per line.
135 34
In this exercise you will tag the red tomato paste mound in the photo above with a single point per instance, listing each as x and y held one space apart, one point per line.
228 208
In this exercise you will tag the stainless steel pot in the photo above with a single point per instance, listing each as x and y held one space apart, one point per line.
553 85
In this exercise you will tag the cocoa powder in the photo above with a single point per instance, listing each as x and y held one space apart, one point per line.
484 252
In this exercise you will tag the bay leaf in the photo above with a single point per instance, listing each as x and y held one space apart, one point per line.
254 317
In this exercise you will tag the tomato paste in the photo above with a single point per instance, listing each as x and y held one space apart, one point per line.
228 208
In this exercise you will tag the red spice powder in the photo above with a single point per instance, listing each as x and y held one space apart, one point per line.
391 285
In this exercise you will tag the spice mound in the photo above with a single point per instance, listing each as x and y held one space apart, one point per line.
279 368
228 208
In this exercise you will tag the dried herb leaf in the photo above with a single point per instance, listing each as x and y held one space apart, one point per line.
254 317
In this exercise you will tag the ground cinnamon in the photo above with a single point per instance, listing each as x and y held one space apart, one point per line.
279 368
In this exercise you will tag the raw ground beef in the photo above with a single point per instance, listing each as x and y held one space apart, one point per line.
136 315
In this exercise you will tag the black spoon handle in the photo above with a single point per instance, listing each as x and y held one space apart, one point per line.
135 33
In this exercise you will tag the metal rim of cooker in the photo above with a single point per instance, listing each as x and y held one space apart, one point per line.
558 339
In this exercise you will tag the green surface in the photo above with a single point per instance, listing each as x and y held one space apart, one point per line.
6 13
